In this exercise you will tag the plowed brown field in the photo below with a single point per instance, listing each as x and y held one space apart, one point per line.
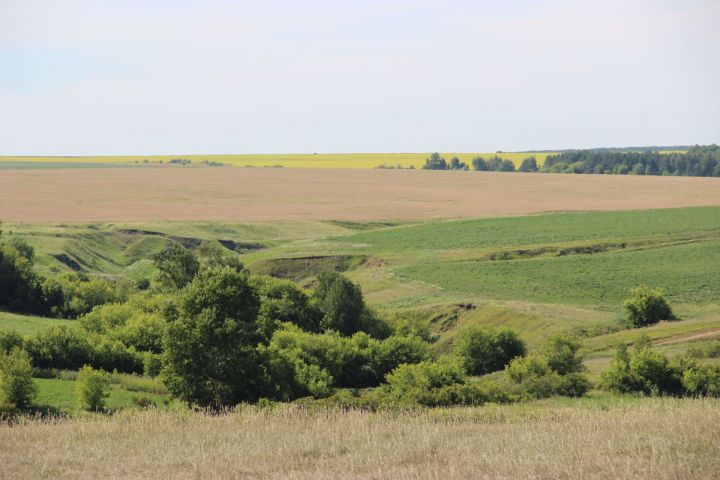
257 194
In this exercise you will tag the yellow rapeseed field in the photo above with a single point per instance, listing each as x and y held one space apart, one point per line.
323 160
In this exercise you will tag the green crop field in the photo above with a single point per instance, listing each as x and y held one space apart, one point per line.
688 273
540 230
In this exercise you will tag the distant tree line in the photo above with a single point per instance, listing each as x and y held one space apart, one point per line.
697 161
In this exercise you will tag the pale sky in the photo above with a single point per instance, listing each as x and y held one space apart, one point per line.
198 77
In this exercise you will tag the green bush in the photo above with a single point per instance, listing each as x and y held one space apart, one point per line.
395 351
69 349
109 354
648 371
412 324
93 388
698 380
281 301
647 306
523 368
16 384
152 364
535 377
59 347
9 340
484 349
416 384
176 266
563 354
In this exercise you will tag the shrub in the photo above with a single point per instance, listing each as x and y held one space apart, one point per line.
412 325
523 368
414 384
152 364
143 331
16 384
651 368
650 372
700 380
535 378
647 307
395 351
563 356
109 354
143 402
93 388
617 377
75 295
282 301
484 350
176 266
59 347
10 340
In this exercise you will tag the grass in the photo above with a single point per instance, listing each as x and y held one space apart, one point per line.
537 230
124 248
327 160
688 273
29 324
606 438
62 394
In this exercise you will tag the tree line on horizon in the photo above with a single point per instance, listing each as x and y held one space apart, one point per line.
697 161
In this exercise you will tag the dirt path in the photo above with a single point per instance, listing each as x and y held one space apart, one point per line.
258 194
687 338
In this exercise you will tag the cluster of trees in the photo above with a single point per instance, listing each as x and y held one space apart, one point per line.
492 164
436 162
698 161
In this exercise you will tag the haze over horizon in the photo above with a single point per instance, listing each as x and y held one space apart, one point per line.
193 77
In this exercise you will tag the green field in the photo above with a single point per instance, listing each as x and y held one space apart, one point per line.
62 394
28 324
541 230
688 273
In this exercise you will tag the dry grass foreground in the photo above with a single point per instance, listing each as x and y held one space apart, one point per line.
648 439
252 194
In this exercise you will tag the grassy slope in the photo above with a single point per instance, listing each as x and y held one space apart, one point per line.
28 324
109 249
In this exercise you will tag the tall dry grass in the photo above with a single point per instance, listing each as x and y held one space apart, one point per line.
654 438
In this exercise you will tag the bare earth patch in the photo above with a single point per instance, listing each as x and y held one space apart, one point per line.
257 194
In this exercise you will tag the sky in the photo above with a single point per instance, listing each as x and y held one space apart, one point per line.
83 77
